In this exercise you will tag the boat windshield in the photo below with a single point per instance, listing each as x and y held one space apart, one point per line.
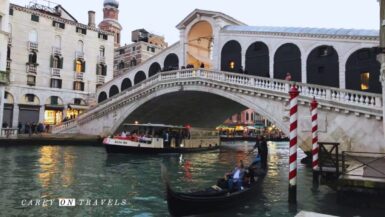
154 130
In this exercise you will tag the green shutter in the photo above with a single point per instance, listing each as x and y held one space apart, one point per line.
51 63
84 66
61 62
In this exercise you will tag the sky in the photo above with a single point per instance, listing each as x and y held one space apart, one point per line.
161 16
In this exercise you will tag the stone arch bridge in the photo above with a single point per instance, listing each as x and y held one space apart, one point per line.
205 98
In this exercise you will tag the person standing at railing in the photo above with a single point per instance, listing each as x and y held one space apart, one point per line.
288 77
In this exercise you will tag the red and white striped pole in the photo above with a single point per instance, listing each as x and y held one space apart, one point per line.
293 144
315 148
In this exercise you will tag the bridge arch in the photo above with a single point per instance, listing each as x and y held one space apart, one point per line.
323 66
363 71
287 59
102 97
200 44
113 90
231 56
171 62
257 59
126 83
139 77
154 69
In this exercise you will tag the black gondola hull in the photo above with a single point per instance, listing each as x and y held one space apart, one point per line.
143 150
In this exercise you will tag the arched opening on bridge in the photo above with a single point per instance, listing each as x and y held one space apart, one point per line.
113 91
102 97
171 62
139 77
200 44
323 66
363 71
287 59
154 69
126 83
257 59
231 57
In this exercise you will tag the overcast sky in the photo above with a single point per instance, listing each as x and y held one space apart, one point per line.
161 16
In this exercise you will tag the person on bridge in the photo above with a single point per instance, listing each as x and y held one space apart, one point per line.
288 77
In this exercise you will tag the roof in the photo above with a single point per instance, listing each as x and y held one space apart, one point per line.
305 30
155 125
198 12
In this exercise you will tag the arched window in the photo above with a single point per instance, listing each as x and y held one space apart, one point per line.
126 83
102 97
57 41
258 60
102 51
287 59
78 67
171 62
231 56
154 69
32 37
32 58
80 47
139 77
56 62
114 90
247 116
133 62
121 65
323 66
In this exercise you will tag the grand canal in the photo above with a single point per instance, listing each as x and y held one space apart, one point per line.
43 173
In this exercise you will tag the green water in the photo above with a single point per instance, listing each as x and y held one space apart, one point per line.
30 173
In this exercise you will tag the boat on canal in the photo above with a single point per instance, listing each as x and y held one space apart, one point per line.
212 199
161 138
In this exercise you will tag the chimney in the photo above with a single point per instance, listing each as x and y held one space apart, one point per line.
91 18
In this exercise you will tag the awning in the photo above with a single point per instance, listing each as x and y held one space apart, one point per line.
78 107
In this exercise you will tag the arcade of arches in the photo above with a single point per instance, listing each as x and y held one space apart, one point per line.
200 43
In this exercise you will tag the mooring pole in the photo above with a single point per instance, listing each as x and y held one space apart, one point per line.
293 145
315 149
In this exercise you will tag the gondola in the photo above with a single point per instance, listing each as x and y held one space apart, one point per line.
212 199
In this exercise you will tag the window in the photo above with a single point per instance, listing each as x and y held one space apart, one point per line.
103 36
31 80
55 63
101 69
153 49
32 58
35 18
56 83
58 24
122 51
133 62
78 86
102 51
11 11
81 30
133 48
232 64
365 78
247 116
30 97
77 101
78 66
54 100
148 48
121 65
9 53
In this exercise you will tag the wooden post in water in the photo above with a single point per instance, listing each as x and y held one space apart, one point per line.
293 145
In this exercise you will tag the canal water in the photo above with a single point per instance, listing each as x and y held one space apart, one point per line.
37 174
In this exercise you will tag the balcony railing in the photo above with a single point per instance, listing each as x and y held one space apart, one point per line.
4 77
33 46
100 79
79 54
101 59
78 76
56 51
31 69
55 72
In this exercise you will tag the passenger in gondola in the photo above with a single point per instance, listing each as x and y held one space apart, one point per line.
235 178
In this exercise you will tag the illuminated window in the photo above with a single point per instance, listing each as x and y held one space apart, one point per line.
78 66
232 64
53 117
365 80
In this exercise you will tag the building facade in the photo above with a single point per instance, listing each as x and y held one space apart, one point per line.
4 40
55 63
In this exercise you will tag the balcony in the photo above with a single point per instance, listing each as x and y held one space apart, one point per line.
101 59
33 46
78 76
56 51
31 69
4 77
55 72
79 54
100 79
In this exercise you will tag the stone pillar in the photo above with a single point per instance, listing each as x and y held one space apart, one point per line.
65 111
41 113
243 56
304 67
184 45
15 117
271 64
342 71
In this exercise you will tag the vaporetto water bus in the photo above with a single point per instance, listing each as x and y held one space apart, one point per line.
161 138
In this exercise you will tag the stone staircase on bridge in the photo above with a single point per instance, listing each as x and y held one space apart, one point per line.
367 105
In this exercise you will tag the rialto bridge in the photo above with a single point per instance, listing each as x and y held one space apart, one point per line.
245 67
